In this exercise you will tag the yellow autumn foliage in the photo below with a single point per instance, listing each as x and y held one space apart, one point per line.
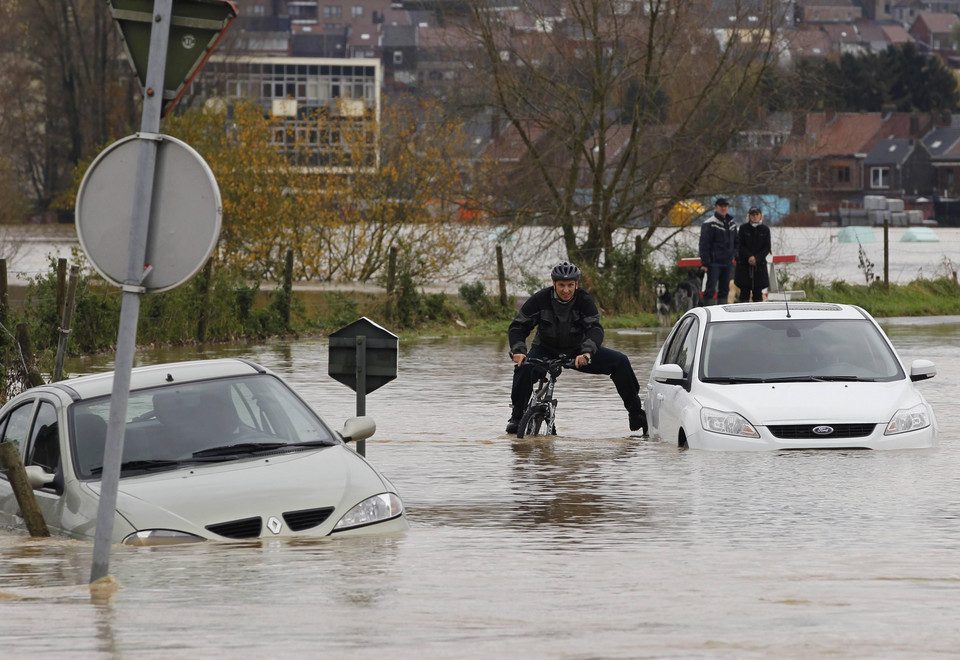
398 183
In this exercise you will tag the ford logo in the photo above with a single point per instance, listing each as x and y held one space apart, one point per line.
823 430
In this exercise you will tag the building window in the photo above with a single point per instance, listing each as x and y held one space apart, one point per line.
842 174
398 57
332 11
356 11
879 177
303 14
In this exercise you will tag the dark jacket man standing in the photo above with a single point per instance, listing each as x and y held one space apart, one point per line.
719 243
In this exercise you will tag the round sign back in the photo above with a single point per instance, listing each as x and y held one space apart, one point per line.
185 214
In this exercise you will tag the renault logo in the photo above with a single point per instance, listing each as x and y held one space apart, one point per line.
274 525
823 430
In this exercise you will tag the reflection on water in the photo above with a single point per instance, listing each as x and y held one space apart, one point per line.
592 544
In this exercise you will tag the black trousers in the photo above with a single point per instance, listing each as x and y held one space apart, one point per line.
606 361
718 283
751 285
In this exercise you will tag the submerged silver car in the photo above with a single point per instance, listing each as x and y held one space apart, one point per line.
214 449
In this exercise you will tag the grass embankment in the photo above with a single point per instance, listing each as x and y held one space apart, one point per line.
940 297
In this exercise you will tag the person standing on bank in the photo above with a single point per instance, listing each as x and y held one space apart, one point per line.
750 275
719 242
568 323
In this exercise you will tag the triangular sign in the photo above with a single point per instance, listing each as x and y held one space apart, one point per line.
196 27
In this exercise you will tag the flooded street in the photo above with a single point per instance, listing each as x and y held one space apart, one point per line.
591 544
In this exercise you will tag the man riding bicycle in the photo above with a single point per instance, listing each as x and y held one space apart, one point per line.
568 323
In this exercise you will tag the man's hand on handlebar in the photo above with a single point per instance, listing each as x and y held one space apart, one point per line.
582 360
518 358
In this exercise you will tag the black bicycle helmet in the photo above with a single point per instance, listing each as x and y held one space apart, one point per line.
565 271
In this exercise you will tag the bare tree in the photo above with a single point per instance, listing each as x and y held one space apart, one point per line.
66 90
616 111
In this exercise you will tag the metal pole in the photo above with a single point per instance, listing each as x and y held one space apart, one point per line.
361 387
65 323
132 288
886 252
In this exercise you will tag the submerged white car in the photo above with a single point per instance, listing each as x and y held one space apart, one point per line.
778 375
213 450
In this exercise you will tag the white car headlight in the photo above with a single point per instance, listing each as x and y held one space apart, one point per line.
154 537
908 419
728 423
372 510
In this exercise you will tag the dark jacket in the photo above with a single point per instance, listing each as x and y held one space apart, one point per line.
718 241
754 242
572 328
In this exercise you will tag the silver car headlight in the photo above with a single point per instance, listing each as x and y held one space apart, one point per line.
908 419
728 423
154 537
372 510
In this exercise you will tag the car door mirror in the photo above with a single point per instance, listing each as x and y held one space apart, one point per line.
37 477
358 428
671 374
922 370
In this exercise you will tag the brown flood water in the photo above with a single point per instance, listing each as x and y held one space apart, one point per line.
591 544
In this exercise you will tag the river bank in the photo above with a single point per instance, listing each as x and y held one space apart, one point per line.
826 269
530 252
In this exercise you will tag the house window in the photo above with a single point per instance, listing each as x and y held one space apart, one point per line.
356 11
879 177
842 174
332 11
398 57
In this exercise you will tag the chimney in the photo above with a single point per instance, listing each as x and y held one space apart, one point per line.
799 125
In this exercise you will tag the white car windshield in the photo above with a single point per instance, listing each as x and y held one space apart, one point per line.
791 350
206 421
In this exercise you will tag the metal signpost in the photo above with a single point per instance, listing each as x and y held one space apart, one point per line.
363 356
103 209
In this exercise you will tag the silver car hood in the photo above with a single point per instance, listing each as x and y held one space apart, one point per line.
190 499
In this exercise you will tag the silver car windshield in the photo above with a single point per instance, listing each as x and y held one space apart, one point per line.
207 421
797 350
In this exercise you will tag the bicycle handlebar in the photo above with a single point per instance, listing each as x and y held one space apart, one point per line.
554 363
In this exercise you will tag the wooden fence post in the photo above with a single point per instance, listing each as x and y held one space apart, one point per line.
638 263
13 468
501 276
61 285
203 283
287 289
4 293
391 280
26 350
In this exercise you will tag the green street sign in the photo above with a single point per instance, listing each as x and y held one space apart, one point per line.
196 27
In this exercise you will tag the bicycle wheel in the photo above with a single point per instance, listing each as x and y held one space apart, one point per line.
532 420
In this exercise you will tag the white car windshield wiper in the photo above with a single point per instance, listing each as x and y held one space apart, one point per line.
254 447
239 448
724 380
145 465
809 378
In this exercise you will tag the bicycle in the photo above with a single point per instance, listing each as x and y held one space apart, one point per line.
541 411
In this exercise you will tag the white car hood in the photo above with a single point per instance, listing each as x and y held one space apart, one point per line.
190 499
821 402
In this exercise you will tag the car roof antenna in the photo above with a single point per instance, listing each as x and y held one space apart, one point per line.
781 282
